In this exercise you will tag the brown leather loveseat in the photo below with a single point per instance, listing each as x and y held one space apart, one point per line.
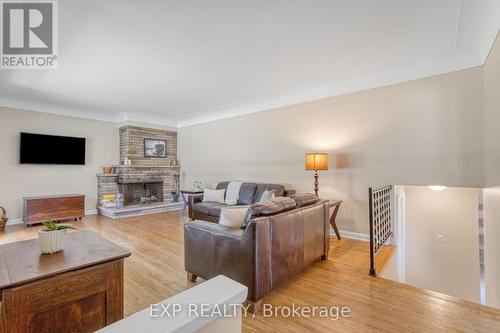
249 194
281 239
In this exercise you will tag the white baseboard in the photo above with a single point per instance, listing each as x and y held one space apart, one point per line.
14 221
20 220
354 235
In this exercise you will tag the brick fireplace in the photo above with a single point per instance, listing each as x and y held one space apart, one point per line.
148 182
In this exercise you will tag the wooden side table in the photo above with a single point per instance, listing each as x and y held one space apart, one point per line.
186 192
335 204
79 289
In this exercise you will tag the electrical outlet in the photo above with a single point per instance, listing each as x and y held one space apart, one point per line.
439 238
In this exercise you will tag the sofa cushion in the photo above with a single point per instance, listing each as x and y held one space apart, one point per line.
279 190
272 207
215 210
251 192
247 193
305 199
268 208
286 203
222 186
205 207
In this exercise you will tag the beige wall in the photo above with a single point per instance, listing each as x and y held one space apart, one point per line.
450 266
492 175
420 132
491 105
17 180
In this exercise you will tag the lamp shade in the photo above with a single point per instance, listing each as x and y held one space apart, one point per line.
317 161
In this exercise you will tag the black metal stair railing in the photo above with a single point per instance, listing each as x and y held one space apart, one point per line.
380 201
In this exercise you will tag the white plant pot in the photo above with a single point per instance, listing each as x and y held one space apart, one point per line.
51 241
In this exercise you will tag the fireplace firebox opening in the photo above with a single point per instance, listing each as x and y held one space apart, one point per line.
141 193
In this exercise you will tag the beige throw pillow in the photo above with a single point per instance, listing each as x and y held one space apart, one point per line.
233 216
267 195
213 195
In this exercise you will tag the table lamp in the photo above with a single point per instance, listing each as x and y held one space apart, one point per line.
316 161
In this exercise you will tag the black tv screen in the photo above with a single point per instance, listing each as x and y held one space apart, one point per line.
51 149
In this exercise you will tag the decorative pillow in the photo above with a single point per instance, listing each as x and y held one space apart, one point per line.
213 195
233 216
267 195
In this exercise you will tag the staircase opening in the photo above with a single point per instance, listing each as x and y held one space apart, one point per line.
439 240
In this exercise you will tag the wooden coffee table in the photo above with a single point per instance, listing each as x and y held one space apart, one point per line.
79 289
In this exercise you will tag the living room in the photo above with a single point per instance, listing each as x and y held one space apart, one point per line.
262 153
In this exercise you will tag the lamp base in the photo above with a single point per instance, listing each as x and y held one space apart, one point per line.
316 183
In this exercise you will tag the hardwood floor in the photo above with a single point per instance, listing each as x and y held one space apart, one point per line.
155 271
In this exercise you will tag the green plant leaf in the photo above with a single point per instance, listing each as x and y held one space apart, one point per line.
65 226
52 226
49 225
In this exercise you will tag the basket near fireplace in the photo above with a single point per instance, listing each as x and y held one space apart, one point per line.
3 219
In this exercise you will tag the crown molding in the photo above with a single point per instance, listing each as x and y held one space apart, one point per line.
283 100
128 116
15 103
148 125
150 118
120 117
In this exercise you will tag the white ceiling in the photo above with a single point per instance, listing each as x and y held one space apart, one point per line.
178 63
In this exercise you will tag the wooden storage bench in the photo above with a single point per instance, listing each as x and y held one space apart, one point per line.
54 207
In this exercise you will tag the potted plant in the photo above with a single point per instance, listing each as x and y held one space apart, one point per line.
51 237
107 170
198 185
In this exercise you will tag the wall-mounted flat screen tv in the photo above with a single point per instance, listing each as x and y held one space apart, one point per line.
51 149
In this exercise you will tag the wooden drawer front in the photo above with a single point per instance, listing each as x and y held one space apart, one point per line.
80 301
39 210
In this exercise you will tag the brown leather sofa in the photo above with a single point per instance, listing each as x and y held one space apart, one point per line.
280 240
249 194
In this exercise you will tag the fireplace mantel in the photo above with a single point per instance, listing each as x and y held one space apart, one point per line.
146 166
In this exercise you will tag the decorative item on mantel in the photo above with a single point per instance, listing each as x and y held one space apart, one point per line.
125 161
3 219
173 162
51 238
107 170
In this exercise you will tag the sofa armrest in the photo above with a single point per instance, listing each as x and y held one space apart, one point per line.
192 199
240 254
211 249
